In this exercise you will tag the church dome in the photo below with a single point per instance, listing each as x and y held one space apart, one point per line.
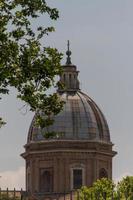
80 119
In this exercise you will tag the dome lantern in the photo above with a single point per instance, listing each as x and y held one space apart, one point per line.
69 77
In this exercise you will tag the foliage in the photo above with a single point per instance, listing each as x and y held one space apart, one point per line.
1 122
105 189
86 193
25 63
125 188
8 197
102 189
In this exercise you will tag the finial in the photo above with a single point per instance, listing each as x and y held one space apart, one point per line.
68 53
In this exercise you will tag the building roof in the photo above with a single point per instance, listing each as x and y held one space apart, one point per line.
80 118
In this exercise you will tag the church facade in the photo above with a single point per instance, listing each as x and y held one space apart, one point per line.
82 152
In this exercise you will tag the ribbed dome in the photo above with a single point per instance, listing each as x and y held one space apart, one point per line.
80 118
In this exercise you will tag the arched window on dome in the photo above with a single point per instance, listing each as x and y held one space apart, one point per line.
46 180
103 173
70 80
74 80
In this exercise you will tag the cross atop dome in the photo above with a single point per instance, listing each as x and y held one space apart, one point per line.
69 77
68 53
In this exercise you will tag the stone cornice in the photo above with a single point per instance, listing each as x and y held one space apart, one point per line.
58 151
68 146
71 142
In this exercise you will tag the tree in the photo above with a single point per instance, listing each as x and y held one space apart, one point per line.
25 63
5 197
85 193
102 189
125 188
105 189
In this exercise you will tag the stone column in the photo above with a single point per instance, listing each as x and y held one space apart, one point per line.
36 175
67 172
61 174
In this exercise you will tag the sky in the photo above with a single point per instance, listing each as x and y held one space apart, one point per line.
101 41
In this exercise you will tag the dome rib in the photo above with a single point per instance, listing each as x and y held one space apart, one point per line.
87 117
101 120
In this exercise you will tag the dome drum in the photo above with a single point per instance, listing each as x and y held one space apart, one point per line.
90 158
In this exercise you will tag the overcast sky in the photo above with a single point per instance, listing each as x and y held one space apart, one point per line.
101 37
